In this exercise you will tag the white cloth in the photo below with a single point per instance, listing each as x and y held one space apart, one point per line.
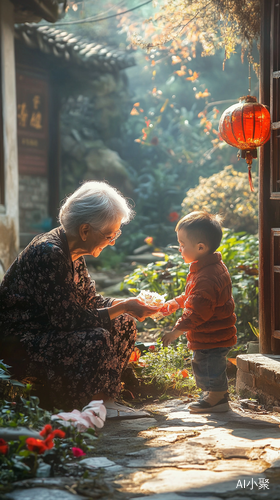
93 415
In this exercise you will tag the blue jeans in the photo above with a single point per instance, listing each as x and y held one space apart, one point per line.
209 368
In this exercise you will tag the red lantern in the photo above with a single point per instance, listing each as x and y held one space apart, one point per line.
246 125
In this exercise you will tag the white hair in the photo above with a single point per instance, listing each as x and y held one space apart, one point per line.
96 203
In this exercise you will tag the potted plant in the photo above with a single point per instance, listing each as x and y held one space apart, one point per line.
253 346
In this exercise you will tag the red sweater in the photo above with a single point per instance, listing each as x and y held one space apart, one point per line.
208 307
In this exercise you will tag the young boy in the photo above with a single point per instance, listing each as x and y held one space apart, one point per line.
208 317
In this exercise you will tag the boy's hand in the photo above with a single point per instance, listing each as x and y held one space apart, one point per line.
170 337
169 307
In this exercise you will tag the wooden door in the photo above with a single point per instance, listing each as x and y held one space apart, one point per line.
269 214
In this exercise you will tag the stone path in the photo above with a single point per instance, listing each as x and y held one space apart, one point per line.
174 455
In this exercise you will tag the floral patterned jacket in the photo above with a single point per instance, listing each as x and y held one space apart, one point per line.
44 290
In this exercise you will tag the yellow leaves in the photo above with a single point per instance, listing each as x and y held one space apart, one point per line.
194 76
134 111
182 71
202 95
176 59
164 105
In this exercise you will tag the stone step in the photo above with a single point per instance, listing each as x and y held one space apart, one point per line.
258 375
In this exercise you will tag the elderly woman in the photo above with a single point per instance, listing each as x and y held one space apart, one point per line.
78 342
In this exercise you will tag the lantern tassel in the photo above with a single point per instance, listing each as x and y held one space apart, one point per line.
249 158
250 178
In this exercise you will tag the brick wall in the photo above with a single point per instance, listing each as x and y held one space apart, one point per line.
258 375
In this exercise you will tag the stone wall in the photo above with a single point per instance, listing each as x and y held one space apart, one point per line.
258 375
33 204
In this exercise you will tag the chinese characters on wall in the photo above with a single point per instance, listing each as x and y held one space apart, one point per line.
32 122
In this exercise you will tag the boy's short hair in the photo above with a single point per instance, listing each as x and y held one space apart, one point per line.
202 227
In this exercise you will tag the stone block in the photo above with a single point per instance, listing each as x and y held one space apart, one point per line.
43 494
243 363
254 366
266 373
267 388
247 379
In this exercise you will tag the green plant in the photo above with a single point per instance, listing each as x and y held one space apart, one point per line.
240 253
20 459
255 330
168 368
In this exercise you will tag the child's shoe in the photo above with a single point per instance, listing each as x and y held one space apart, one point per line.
213 402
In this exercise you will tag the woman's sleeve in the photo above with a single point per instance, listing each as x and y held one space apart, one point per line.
95 300
63 302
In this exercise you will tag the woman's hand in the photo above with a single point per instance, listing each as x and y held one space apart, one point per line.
138 310
132 306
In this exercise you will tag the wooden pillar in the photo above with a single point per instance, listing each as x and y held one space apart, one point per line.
269 176
264 192
9 233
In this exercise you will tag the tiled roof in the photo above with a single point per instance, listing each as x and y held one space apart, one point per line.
73 49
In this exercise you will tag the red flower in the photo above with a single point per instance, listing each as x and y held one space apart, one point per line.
152 347
46 431
49 432
58 433
173 216
135 355
39 445
77 452
3 447
36 445
49 444
184 373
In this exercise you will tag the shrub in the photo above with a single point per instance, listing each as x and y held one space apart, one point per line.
228 194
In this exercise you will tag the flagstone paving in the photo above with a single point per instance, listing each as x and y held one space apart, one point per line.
173 455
